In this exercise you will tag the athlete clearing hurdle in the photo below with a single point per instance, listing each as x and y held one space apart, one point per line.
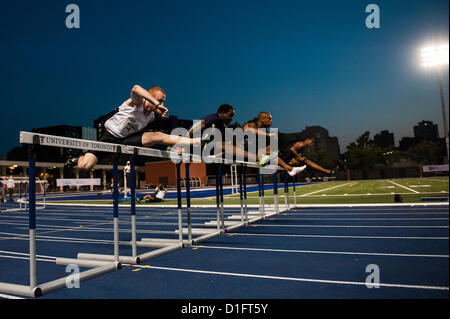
128 124
264 121
293 156
221 121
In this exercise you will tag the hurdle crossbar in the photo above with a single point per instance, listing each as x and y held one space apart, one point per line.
88 145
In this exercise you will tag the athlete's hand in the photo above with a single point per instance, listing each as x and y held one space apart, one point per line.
163 111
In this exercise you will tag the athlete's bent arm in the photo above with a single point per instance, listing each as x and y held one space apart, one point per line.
294 149
138 93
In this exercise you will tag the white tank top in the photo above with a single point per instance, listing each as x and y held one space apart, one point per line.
128 120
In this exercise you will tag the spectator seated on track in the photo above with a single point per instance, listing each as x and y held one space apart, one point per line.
158 196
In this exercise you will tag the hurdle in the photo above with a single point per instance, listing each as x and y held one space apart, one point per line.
102 264
244 218
275 192
133 259
261 194
188 203
286 191
241 195
165 245
33 289
293 188
234 178
219 223
244 182
23 196
218 182
231 224
222 207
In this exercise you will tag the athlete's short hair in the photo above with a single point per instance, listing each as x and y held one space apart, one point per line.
264 114
224 108
155 89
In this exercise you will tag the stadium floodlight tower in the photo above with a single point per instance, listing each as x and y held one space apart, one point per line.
436 57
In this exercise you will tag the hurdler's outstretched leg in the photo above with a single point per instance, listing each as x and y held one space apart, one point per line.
311 164
292 171
152 138
89 160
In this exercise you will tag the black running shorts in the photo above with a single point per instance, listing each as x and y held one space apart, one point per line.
134 140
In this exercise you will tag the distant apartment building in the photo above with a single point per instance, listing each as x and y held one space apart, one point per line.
423 130
426 130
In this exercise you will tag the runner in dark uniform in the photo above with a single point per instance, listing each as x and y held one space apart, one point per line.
221 120
264 121
293 156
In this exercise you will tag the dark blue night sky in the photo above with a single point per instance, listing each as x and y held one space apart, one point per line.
307 62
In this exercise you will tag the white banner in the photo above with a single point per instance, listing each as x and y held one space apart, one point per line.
435 168
78 182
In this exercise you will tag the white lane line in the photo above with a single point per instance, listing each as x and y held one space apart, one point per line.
65 240
322 190
26 258
350 226
25 254
410 189
5 296
365 218
435 180
323 252
267 277
335 282
344 236
338 211
288 215
369 194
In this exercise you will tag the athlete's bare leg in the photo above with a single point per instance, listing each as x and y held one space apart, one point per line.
152 138
294 161
284 165
235 150
89 160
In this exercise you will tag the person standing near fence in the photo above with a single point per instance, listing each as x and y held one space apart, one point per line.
10 186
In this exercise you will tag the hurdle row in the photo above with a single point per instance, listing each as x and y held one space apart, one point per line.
100 264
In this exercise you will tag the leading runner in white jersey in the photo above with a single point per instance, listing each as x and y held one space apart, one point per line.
128 120
128 124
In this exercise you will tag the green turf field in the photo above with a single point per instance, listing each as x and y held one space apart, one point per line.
412 190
